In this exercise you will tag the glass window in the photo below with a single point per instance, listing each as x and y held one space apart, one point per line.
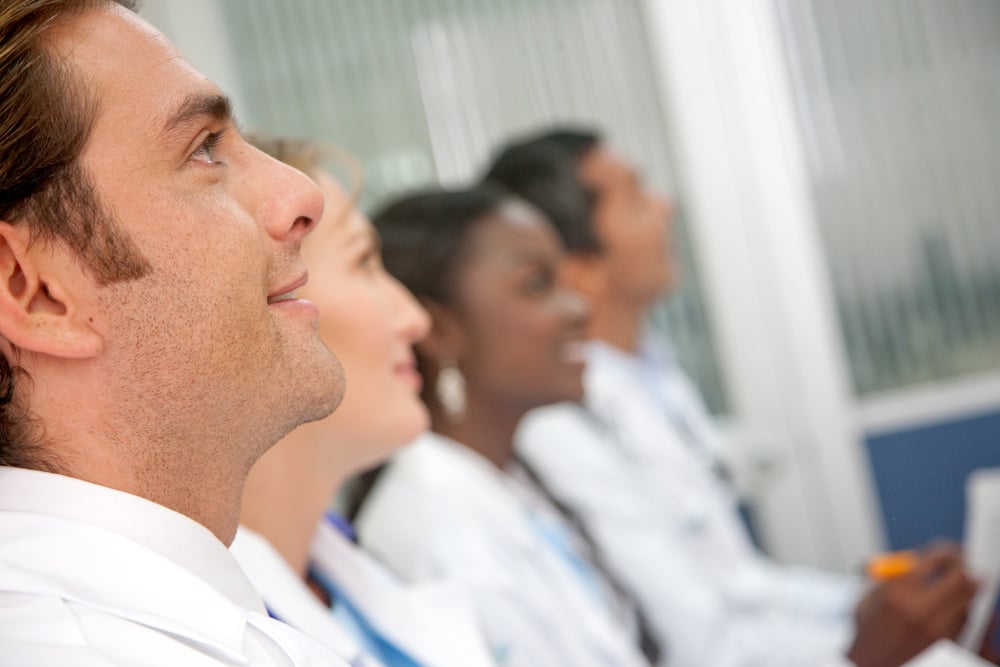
899 102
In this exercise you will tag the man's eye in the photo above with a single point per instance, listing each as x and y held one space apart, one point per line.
206 151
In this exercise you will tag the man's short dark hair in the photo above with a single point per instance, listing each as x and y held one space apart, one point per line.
46 117
545 170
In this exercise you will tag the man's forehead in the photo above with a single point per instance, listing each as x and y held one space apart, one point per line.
103 35
130 67
605 165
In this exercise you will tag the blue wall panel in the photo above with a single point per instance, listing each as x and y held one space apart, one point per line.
920 476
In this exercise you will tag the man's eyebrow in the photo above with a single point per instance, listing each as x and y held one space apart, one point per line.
216 106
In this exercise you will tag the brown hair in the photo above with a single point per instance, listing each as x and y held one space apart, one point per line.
46 116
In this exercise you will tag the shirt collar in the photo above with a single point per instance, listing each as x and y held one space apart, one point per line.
169 533
652 350
113 550
653 362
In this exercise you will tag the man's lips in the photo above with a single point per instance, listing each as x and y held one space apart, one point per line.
287 292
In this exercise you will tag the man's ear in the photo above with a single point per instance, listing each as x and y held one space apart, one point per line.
40 290
446 339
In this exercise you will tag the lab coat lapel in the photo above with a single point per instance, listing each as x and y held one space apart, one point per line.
287 596
427 622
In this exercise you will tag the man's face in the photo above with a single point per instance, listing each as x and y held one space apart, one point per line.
633 226
202 349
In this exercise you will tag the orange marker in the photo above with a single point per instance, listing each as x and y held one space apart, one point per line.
891 565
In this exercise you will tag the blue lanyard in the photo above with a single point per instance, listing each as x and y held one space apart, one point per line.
374 641
343 526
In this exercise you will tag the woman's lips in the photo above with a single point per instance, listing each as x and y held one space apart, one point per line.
408 372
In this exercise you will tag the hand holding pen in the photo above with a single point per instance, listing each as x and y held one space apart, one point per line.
922 597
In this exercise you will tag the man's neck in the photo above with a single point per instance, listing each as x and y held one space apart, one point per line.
618 323
198 490
176 458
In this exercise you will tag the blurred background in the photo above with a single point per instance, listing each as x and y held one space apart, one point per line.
836 165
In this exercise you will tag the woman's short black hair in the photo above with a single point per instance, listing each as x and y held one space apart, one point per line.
425 236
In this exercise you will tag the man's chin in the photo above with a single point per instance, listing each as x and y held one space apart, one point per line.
325 408
307 383
327 388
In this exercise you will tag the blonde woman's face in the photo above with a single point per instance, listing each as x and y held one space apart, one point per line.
371 322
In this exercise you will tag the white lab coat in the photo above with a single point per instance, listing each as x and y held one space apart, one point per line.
443 512
638 465
93 577
667 525
430 623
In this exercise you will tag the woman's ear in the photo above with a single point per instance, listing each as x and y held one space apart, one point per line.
40 288
446 339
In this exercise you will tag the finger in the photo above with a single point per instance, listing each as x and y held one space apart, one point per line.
933 564
941 545
948 596
949 623
938 557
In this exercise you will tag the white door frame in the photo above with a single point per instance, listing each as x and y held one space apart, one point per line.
739 161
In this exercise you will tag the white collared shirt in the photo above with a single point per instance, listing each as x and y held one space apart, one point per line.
431 624
91 576
442 512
